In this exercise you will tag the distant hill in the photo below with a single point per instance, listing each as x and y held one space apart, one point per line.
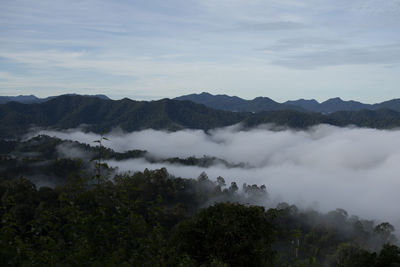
330 105
101 115
306 104
337 104
379 119
234 103
31 99
237 104
26 99
393 104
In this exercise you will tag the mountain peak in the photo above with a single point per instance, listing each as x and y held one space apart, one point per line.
205 94
263 98
333 100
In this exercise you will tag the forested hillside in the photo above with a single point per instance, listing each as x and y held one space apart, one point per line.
154 219
50 161
101 115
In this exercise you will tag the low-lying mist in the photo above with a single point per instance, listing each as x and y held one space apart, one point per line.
324 167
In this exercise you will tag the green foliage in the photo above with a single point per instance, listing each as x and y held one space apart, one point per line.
151 218
389 256
348 255
230 233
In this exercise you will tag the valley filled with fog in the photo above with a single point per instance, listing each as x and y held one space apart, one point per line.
323 168
200 133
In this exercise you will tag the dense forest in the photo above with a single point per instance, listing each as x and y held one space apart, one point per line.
91 214
102 115
151 218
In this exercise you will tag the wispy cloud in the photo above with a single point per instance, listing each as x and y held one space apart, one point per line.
385 54
305 43
270 26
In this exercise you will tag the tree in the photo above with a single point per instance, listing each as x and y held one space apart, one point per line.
234 234
233 188
383 234
221 181
100 176
389 256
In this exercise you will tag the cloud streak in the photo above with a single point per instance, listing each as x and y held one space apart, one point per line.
351 168
387 54
271 26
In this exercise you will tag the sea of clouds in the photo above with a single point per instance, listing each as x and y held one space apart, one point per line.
324 167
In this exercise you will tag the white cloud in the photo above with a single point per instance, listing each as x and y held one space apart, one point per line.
351 168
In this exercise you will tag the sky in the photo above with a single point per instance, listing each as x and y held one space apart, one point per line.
151 49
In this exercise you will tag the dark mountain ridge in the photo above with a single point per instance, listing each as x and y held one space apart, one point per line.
100 115
237 104
258 104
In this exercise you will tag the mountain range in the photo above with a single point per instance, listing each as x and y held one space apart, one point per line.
237 104
31 99
102 115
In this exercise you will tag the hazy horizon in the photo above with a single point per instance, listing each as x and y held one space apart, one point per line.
155 99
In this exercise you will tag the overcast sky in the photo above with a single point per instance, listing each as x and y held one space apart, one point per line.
149 49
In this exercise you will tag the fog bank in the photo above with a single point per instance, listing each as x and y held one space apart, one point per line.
325 167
